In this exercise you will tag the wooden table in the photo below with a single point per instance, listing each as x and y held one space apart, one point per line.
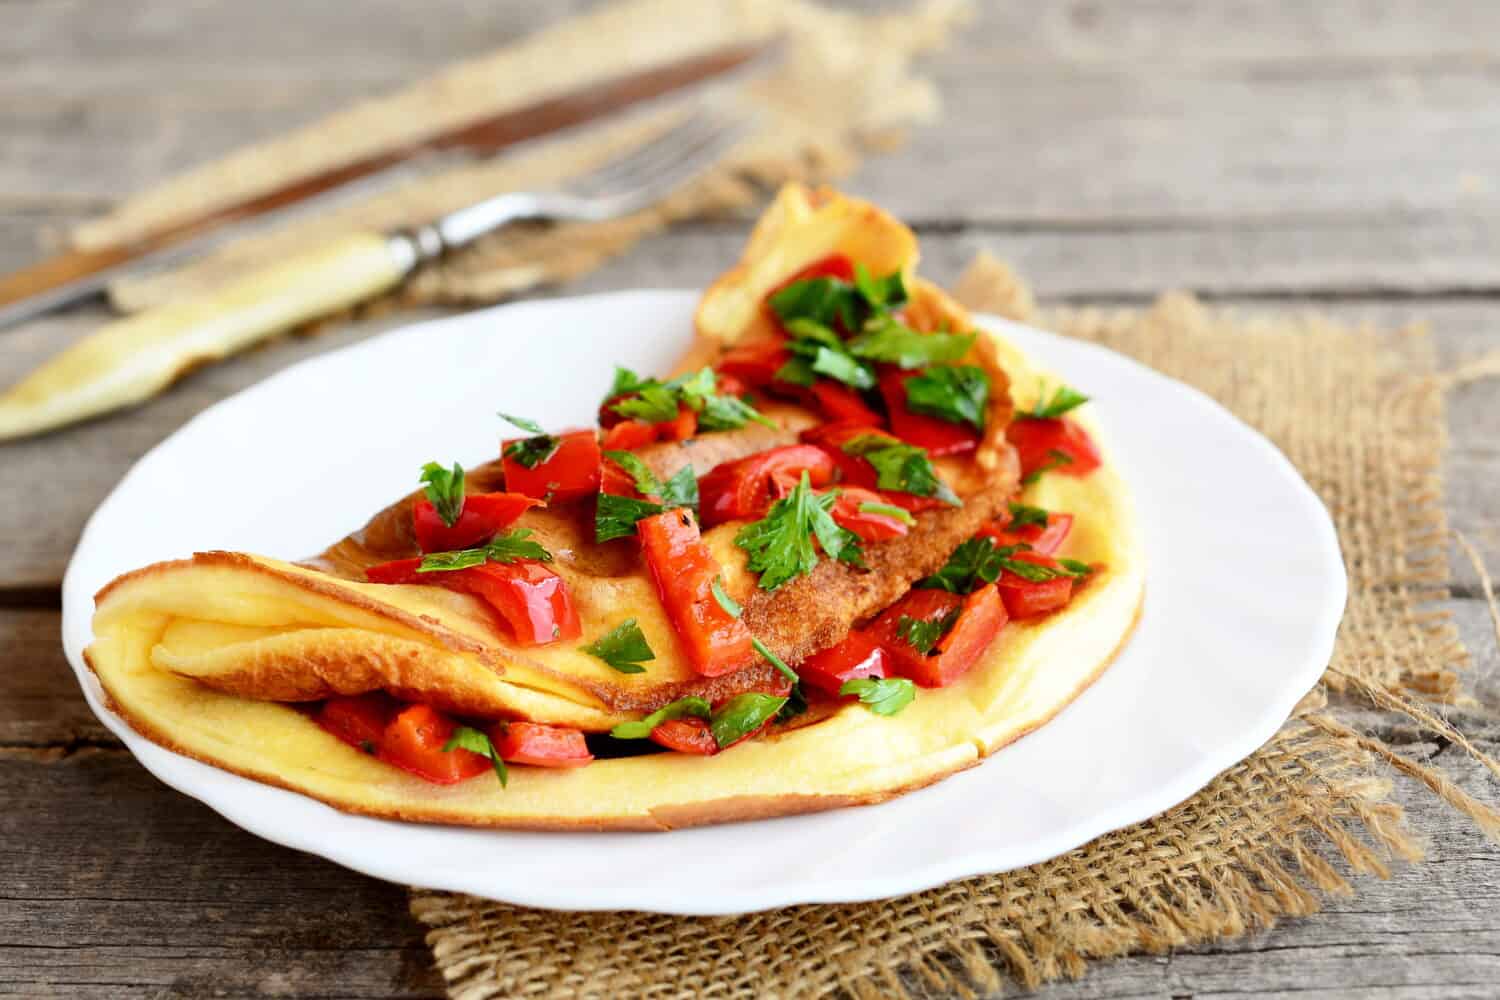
1344 154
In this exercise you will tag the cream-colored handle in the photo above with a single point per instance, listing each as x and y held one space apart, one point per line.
130 360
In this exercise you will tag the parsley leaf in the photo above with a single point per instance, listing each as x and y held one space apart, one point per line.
901 467
652 404
1063 400
681 490
1055 459
881 695
796 704
742 715
1022 516
888 510
531 451
818 350
955 393
730 605
506 548
780 544
1076 567
888 292
641 728
823 300
529 426
624 647
657 402
615 516
445 488
975 562
887 339
774 660
1036 573
465 738
922 634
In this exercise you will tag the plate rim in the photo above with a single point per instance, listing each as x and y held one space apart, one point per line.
175 770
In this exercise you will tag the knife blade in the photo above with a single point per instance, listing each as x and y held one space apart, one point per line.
75 275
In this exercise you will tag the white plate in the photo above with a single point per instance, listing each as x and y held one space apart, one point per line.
1231 636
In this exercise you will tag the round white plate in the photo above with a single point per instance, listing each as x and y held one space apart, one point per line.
1228 642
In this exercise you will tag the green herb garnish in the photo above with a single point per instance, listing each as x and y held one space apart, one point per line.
881 695
888 510
474 741
531 451
624 647
742 715
1022 515
889 340
445 488
1063 400
901 467
817 350
615 516
507 548
955 393
730 605
774 660
641 728
922 634
1055 459
681 490
781 544
657 402
652 404
975 562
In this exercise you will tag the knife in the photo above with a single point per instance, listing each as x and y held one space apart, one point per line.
78 274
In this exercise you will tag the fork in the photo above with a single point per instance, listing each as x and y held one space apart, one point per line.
130 360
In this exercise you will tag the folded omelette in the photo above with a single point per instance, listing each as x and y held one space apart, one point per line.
852 545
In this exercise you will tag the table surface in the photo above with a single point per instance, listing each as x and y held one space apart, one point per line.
1344 155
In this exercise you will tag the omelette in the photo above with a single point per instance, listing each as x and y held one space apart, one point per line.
851 545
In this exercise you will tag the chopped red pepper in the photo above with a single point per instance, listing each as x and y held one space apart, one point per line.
571 471
686 735
870 526
484 515
540 745
715 641
842 404
1058 444
533 600
856 470
414 741
835 265
755 364
745 488
938 436
628 434
1045 539
859 655
358 720
980 617
1027 598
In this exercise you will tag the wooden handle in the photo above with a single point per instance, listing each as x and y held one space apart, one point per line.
130 360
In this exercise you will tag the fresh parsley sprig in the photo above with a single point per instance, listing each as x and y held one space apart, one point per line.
979 560
901 467
656 402
738 717
680 490
623 647
958 394
922 634
781 544
888 510
881 695
445 488
640 729
530 451
616 516
887 339
474 741
1065 398
507 548
1023 515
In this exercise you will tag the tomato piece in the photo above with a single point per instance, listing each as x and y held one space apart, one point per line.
684 427
1045 539
853 470
684 570
1028 598
534 601
540 745
358 720
754 364
1037 440
484 515
628 434
571 472
843 404
870 526
859 655
686 735
980 616
938 436
745 488
414 741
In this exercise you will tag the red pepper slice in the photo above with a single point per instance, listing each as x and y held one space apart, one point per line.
540 745
571 472
870 526
859 655
484 515
684 427
855 470
842 404
835 265
686 735
981 615
754 364
1027 598
684 570
1045 539
938 436
745 488
533 600
1039 443
358 720
628 434
414 741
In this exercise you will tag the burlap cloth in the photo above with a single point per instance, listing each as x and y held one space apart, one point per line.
1360 413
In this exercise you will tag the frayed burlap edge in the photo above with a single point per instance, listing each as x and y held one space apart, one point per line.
1361 414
